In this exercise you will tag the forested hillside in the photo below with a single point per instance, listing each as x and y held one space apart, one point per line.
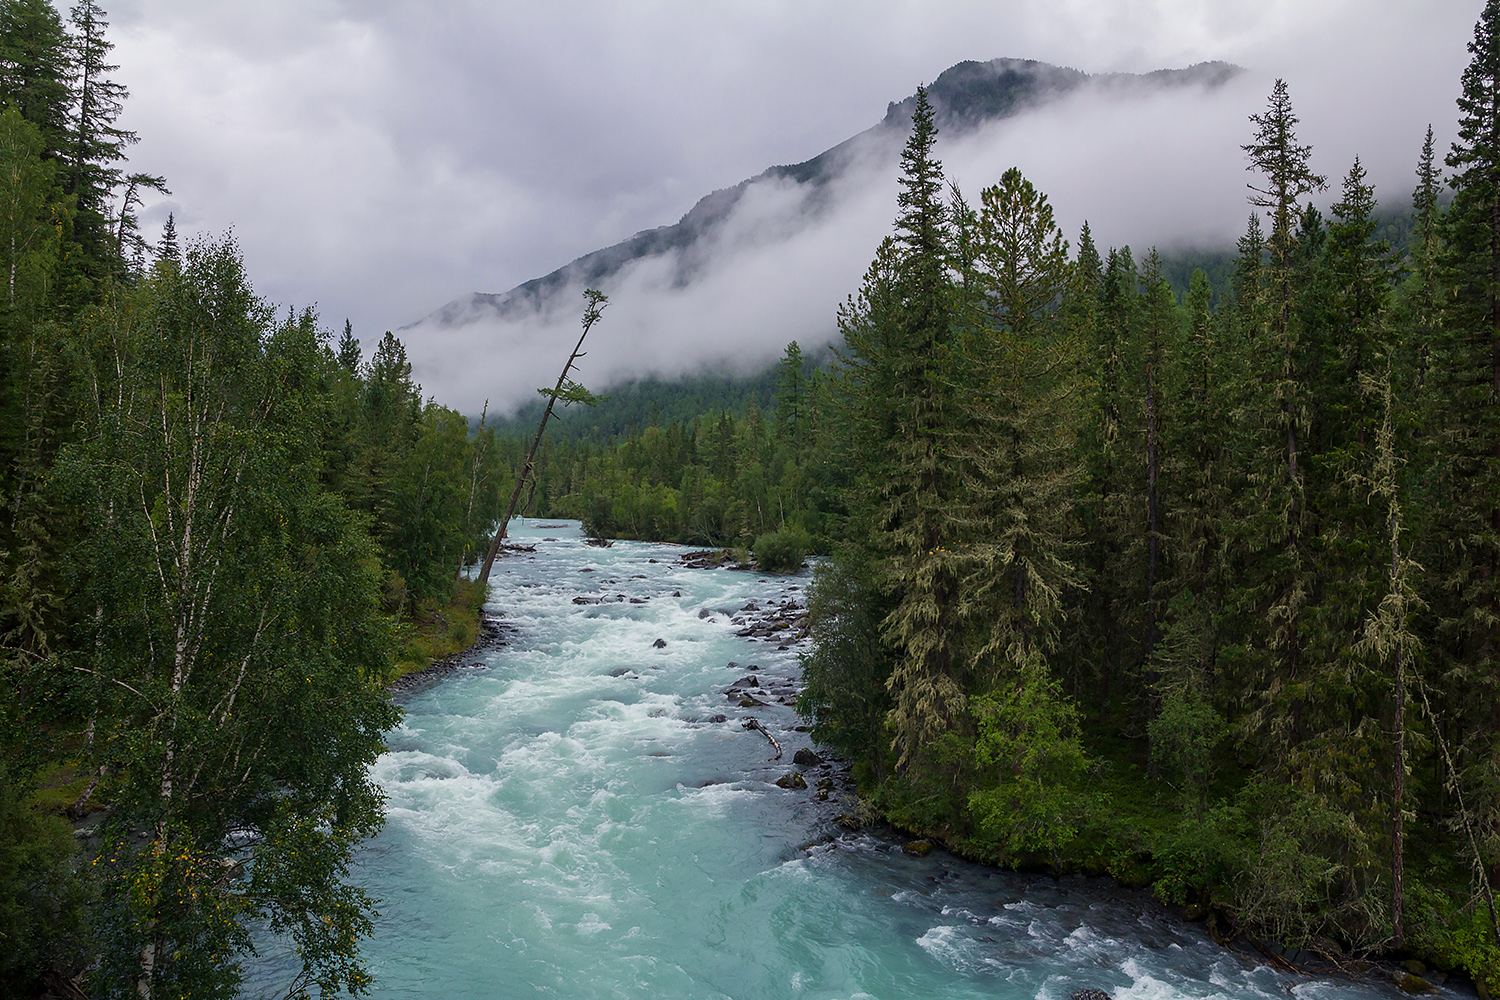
215 522
1199 591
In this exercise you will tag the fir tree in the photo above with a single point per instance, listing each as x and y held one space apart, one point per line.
348 350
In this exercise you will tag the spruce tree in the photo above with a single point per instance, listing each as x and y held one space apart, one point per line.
348 350
1465 426
1279 511
899 404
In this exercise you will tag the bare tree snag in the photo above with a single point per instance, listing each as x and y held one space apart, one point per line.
570 392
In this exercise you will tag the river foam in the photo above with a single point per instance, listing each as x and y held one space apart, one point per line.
567 822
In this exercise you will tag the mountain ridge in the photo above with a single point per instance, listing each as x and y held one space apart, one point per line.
965 97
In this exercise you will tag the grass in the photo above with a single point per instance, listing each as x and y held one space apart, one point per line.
435 631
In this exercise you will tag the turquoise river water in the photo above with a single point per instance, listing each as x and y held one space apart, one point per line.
565 822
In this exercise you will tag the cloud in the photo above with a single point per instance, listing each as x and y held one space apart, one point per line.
380 158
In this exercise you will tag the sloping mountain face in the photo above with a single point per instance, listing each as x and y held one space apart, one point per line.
965 97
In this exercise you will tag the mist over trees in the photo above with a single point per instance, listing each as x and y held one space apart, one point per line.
1126 571
1195 590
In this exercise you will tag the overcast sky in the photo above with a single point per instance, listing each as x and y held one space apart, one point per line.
381 158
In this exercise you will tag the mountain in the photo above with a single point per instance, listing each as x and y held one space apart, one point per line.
767 261
964 97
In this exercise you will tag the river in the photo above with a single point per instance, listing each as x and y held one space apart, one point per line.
565 821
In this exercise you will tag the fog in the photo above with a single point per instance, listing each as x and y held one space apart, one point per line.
1157 168
380 158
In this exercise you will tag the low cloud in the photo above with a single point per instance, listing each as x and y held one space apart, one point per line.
1144 167
379 158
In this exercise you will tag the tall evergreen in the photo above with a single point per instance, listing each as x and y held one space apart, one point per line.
1466 426
35 70
1279 514
898 353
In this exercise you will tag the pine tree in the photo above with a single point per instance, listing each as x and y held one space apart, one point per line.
1421 301
348 350
1464 429
899 403
1017 446
97 143
1279 511
35 66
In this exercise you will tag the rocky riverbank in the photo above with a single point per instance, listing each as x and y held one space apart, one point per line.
492 632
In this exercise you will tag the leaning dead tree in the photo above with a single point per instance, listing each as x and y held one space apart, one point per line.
569 392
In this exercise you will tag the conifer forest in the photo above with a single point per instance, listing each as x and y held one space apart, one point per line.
1194 585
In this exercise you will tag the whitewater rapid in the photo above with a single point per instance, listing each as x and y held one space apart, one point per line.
566 820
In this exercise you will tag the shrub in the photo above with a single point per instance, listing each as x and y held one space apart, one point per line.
783 550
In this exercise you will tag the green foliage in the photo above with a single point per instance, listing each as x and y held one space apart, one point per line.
44 900
233 629
1188 728
1028 740
782 550
844 677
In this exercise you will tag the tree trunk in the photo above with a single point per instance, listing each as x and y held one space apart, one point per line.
590 317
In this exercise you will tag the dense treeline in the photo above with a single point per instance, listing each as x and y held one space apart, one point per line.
1200 591
717 479
1203 598
212 521
635 405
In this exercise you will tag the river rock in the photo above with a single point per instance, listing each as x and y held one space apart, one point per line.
822 795
1409 983
806 758
791 780
749 702
826 784
718 718
1090 995
660 644
749 680
1415 967
917 848
847 821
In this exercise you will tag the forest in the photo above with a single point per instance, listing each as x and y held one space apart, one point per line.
1199 591
1192 580
219 528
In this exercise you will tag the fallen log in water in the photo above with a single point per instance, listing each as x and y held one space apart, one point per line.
754 723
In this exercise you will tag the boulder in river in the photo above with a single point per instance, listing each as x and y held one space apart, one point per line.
660 644
791 780
1408 983
806 758
917 848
